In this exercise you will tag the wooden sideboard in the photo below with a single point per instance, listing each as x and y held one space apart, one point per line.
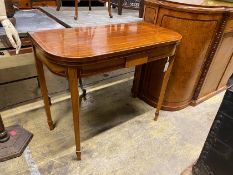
204 59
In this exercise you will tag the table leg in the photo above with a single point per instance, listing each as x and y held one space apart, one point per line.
120 6
76 10
73 84
163 88
58 4
83 89
89 5
141 8
136 81
109 9
31 4
44 92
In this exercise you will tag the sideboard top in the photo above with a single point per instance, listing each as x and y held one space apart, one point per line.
205 3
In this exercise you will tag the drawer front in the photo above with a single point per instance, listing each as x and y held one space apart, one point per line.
128 60
136 60
102 66
150 55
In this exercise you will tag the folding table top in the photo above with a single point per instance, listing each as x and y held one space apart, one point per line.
80 44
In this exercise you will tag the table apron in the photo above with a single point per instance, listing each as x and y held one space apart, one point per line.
110 63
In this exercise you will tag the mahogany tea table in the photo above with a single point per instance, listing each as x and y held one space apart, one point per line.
85 51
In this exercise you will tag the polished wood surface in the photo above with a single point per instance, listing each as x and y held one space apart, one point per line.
203 60
86 51
164 87
73 75
72 44
204 3
44 92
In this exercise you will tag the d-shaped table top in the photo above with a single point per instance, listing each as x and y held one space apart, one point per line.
74 53
80 44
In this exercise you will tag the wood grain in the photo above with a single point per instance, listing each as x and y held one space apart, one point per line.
202 57
72 74
72 44
86 51
44 91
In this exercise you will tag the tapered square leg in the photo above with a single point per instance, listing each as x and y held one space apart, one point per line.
44 91
163 88
89 5
78 154
73 84
59 3
76 10
120 6
136 81
109 9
